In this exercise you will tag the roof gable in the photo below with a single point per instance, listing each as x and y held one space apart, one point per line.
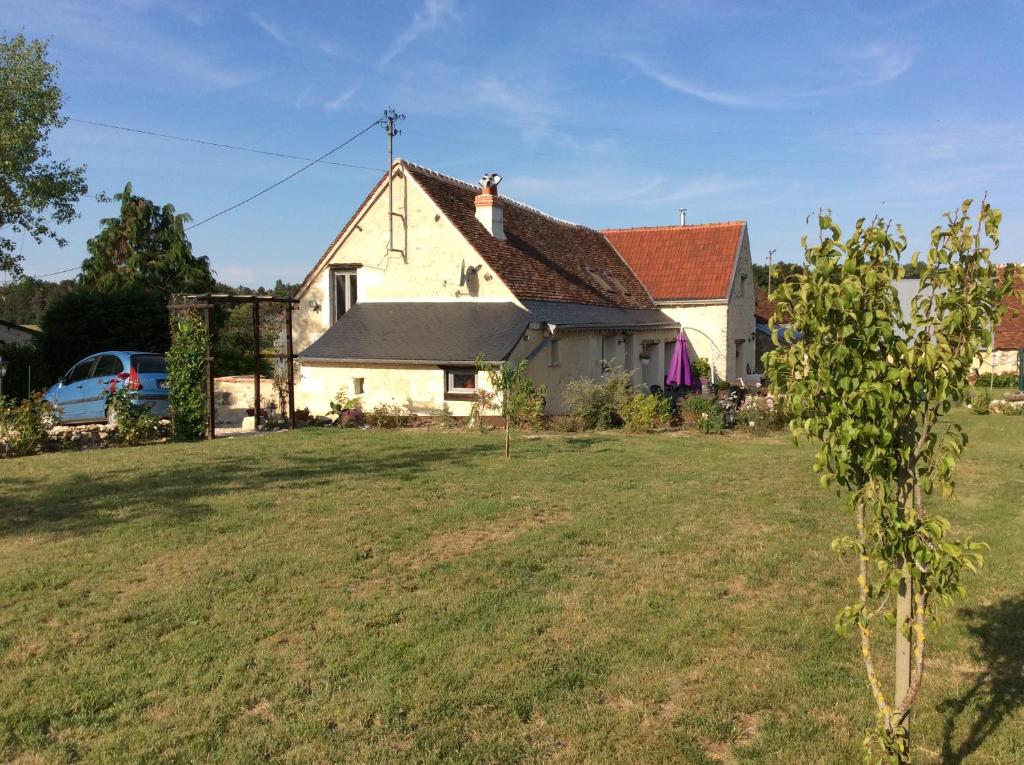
541 258
682 262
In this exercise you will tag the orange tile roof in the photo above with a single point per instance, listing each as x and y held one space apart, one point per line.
682 262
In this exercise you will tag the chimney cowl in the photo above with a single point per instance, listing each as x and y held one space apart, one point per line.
489 206
489 184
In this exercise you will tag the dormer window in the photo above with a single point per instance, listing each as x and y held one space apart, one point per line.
597 278
343 290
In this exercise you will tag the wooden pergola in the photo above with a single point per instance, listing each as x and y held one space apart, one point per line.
205 303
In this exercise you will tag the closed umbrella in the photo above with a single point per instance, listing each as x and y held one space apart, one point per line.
679 372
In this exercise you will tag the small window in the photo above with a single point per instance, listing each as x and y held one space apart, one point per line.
357 386
344 290
555 359
459 383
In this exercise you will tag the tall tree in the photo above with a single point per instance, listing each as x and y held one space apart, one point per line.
147 245
35 192
871 386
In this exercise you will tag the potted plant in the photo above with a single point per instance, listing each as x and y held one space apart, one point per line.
702 369
348 411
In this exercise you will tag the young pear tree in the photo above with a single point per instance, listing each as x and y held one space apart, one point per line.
516 397
871 386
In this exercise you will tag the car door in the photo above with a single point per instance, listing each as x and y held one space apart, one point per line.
94 400
72 391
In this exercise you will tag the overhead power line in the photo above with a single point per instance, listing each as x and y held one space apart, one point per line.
305 167
55 273
219 145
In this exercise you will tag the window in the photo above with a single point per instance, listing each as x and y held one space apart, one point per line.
459 383
149 364
554 361
343 290
82 371
108 366
357 386
741 288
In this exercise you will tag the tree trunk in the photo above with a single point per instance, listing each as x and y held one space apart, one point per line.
508 428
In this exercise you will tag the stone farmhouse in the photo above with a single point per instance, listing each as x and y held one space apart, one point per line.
432 272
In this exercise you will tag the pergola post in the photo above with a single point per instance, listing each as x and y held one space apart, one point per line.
256 360
211 405
289 351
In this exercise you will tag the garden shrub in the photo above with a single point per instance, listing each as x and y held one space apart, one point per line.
981 401
762 414
24 426
645 411
1002 380
134 422
597 404
186 378
389 416
706 414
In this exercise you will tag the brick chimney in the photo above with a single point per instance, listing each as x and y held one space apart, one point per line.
490 207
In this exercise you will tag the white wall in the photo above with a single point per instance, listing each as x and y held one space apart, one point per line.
437 254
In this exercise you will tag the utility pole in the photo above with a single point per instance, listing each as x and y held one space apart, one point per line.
388 123
770 253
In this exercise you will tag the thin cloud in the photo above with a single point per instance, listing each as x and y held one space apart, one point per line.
862 67
704 186
877 63
342 98
271 29
680 85
432 15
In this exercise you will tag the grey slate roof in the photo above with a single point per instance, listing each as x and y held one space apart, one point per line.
578 316
445 333
456 332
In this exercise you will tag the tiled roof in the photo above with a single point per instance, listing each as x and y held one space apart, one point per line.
682 262
542 258
1009 334
764 308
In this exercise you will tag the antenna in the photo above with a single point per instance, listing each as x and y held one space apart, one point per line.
770 253
388 123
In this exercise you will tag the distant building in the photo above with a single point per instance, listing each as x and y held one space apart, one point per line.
18 334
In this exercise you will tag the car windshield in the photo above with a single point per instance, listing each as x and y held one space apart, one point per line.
149 363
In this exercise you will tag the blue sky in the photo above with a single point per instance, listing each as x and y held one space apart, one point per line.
608 114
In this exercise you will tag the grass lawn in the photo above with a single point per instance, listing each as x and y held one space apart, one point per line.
346 596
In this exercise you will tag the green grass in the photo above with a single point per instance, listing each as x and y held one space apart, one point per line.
347 596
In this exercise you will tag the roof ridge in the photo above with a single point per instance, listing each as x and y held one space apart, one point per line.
474 187
677 227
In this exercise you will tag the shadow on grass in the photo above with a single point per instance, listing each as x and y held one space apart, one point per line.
180 492
998 691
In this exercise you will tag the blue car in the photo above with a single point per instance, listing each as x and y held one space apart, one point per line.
81 394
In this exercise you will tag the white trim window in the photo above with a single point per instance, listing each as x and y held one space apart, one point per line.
460 383
343 290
